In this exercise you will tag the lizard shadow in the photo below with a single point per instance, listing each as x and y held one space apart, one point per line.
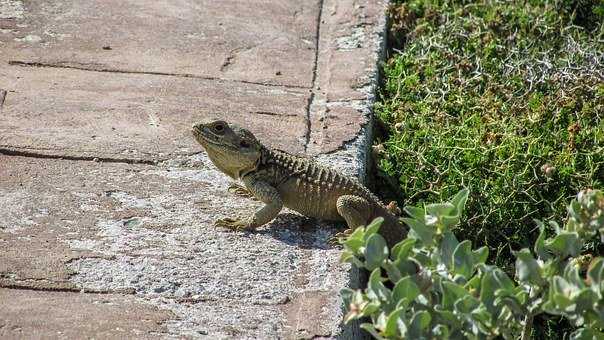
304 232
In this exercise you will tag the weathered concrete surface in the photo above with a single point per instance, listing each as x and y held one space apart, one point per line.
135 116
148 229
121 83
264 41
27 314
351 41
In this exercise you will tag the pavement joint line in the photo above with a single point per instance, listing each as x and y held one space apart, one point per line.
153 73
21 153
18 286
311 98
268 113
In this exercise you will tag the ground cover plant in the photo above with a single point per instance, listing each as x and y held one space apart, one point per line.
432 286
505 98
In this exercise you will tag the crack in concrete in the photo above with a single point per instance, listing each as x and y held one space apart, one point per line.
66 289
229 60
268 113
98 68
22 153
2 98
311 98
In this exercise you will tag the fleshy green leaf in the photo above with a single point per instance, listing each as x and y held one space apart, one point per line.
402 249
586 334
407 267
527 268
421 231
376 289
346 294
488 287
396 317
571 274
463 259
448 222
371 330
348 256
595 274
441 332
440 209
394 274
511 302
355 241
405 288
562 292
447 247
503 280
419 324
373 227
480 255
452 292
415 212
459 200
565 244
539 248
466 304
376 251
370 308
380 322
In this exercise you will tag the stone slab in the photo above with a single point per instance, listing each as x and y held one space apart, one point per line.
143 233
351 43
132 116
148 229
28 314
262 41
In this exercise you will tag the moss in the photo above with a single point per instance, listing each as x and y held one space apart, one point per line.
503 97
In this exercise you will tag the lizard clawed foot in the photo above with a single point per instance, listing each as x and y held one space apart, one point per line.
241 191
235 224
335 239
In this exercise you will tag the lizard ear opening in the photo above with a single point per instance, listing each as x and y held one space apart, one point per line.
244 143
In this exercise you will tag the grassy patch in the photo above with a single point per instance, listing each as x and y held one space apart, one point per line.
503 97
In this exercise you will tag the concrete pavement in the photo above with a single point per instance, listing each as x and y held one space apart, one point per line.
107 203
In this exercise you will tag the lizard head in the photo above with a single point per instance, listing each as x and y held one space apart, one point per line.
234 150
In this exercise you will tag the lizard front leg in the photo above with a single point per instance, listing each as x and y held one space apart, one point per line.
265 193
241 191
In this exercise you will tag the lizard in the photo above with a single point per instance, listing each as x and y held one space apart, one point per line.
280 179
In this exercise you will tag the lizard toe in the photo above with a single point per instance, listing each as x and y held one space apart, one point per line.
338 238
235 224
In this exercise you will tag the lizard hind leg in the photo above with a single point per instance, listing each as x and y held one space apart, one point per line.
355 210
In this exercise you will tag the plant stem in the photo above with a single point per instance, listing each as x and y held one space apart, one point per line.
528 327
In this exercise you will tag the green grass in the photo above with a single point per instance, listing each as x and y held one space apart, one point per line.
503 97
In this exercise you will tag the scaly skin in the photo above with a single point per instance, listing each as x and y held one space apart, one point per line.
280 179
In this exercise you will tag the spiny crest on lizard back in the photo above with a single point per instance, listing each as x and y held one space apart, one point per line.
310 171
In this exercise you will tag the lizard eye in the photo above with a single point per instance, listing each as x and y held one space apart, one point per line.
244 144
218 127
